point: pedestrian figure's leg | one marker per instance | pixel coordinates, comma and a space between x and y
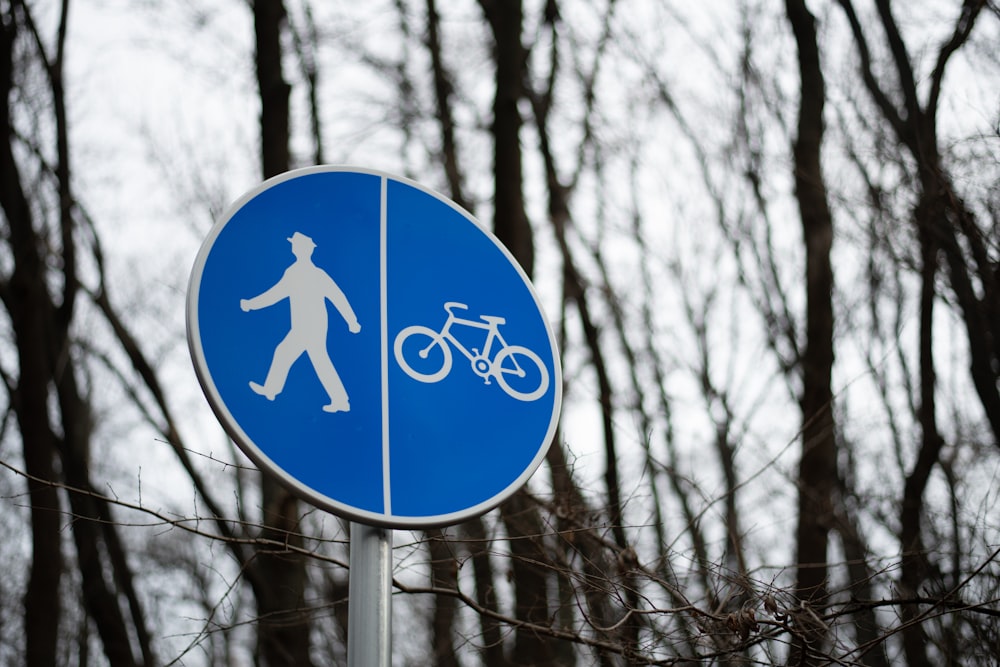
285, 354
329, 377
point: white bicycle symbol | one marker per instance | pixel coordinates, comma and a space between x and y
511, 363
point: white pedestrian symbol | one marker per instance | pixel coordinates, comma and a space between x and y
307, 288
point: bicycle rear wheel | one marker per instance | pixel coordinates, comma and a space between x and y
422, 353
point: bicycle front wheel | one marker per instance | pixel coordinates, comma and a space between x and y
422, 353
521, 373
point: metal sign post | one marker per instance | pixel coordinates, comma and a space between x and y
371, 346
369, 611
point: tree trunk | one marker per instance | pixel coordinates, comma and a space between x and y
269, 20
474, 533
280, 577
818, 463
530, 580
510, 223
444, 574
26, 298
913, 563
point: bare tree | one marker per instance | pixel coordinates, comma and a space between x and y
945, 228
818, 463
43, 222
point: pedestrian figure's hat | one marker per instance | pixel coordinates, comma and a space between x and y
298, 238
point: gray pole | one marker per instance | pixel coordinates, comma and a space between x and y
369, 606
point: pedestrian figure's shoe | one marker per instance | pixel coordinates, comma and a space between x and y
338, 407
263, 391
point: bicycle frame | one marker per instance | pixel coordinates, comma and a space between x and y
490, 324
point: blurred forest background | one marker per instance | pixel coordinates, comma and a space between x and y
766, 234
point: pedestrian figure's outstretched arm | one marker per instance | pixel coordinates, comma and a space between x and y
267, 298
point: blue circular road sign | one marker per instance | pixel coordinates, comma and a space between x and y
366, 341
